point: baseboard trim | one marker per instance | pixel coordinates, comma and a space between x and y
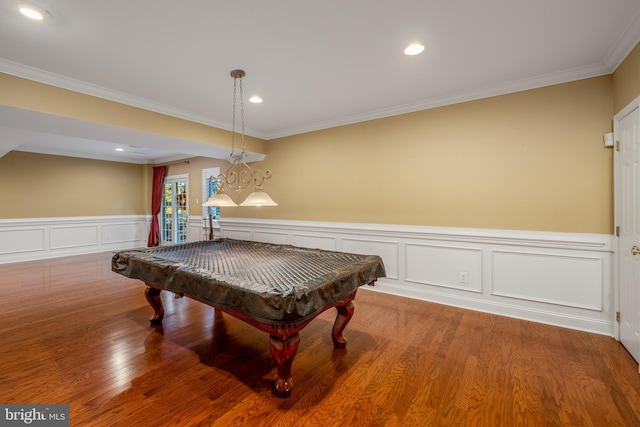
565, 320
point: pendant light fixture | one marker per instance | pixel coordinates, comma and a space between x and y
239, 175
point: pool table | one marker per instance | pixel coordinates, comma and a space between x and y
278, 289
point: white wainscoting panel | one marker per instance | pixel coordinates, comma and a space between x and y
39, 238
563, 279
328, 243
74, 236
126, 232
21, 239
574, 281
444, 266
273, 237
195, 231
389, 251
237, 233
198, 228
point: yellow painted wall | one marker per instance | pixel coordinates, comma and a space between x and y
532, 160
626, 82
44, 186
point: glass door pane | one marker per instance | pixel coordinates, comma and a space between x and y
181, 209
166, 213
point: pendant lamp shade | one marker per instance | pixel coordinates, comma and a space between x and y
221, 200
258, 198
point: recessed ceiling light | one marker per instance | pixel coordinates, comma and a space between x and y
32, 12
413, 49
119, 149
255, 99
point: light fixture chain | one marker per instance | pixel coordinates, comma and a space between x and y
233, 119
244, 145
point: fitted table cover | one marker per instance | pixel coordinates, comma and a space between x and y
271, 283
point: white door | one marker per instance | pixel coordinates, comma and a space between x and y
628, 207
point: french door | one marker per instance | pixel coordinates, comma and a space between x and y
173, 216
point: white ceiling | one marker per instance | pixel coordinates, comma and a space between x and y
317, 64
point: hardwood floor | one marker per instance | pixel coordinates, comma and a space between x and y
71, 331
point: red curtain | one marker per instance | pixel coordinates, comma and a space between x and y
159, 173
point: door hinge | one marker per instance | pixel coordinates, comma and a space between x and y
618, 316
618, 145
617, 231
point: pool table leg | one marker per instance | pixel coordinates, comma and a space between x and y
155, 301
345, 313
283, 352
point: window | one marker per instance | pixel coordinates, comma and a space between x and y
209, 189
173, 215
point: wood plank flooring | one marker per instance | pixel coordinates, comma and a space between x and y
71, 331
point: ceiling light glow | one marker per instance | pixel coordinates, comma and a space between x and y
32, 12
119, 149
414, 49
255, 99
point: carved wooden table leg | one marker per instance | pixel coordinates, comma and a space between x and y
345, 313
283, 352
155, 301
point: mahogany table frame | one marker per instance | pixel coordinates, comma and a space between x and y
283, 338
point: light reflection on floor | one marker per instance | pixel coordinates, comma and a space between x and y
123, 362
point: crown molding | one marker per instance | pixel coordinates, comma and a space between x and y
624, 45
535, 82
57, 80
